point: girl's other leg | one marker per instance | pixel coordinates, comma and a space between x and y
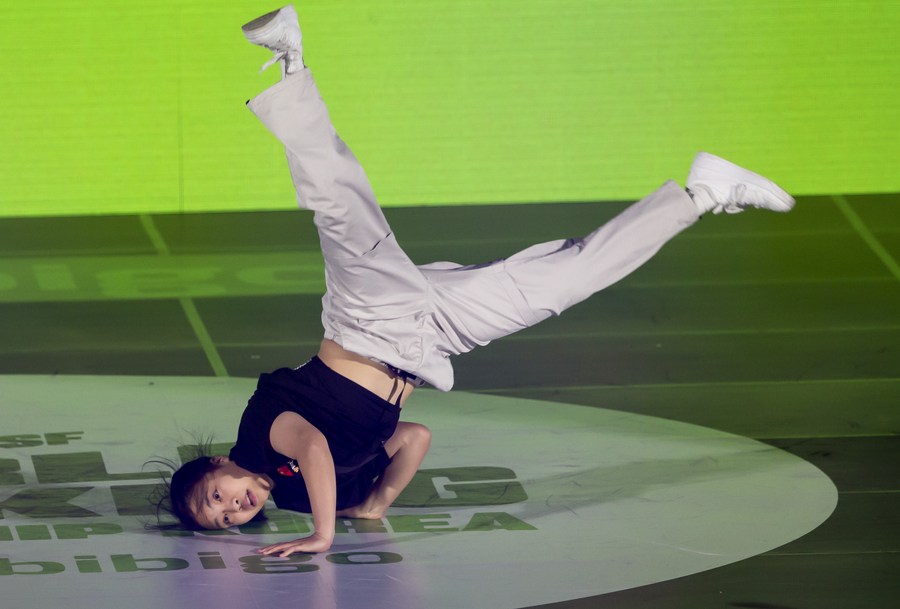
368, 276
328, 178
554, 277
477, 304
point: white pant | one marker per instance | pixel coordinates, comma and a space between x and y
380, 305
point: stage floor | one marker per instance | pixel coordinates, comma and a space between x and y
674, 442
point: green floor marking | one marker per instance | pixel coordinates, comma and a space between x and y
574, 388
159, 244
857, 223
206, 341
187, 304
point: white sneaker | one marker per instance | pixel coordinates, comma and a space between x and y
718, 185
278, 31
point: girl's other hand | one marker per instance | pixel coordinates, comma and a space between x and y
313, 543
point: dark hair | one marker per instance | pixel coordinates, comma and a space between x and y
181, 490
173, 496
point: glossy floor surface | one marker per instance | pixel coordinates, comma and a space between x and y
780, 328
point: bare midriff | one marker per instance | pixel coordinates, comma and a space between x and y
372, 375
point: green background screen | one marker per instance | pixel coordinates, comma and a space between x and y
135, 107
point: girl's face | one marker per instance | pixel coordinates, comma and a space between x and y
229, 495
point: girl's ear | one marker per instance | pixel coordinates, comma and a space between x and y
219, 459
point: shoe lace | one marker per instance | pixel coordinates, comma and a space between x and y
736, 197
279, 55
735, 202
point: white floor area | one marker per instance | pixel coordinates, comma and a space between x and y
580, 501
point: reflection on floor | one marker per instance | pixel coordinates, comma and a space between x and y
780, 328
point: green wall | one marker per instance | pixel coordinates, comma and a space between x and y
121, 106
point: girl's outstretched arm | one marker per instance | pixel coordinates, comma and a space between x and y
295, 437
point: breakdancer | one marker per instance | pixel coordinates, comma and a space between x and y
325, 437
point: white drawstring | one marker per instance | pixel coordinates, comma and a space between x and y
279, 55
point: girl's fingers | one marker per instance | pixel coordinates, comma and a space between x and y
284, 549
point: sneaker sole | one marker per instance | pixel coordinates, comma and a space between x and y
709, 167
261, 25
260, 22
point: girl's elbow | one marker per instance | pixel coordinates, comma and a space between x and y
420, 435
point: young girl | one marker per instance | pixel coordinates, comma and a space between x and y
325, 438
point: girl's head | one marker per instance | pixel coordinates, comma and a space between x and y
225, 495
214, 493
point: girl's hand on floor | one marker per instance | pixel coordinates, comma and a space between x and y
313, 543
